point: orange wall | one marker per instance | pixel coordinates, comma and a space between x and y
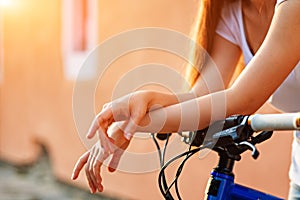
36, 100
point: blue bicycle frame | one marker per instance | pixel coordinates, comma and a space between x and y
222, 187
235, 138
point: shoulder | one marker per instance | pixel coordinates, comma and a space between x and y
290, 2
287, 14
279, 2
231, 13
230, 21
231, 8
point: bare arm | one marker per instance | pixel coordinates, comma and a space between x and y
276, 58
132, 108
215, 76
219, 70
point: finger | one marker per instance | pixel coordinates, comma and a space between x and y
97, 166
131, 127
91, 170
117, 157
104, 118
95, 171
106, 143
115, 160
105, 106
93, 129
79, 165
88, 176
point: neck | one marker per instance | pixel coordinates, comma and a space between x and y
263, 5
258, 4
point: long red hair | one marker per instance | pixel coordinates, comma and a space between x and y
203, 33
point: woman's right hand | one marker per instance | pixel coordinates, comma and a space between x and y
131, 109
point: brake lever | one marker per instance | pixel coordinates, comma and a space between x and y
250, 146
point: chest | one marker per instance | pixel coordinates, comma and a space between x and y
256, 26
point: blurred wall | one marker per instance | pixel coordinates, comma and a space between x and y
36, 99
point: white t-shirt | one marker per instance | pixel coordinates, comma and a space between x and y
287, 96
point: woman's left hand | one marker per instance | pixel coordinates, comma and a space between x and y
94, 158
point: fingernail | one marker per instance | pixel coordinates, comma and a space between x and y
110, 169
112, 140
73, 175
128, 136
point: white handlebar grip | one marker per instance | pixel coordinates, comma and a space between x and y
269, 122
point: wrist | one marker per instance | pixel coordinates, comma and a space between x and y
161, 99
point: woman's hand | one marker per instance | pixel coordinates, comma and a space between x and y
94, 158
131, 109
126, 112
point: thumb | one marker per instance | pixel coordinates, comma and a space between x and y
131, 127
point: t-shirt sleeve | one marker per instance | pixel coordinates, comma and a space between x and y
227, 26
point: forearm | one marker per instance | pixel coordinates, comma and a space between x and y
190, 115
271, 65
200, 88
167, 99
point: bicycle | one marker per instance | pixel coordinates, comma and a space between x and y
229, 138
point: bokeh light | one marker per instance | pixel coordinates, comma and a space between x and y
5, 3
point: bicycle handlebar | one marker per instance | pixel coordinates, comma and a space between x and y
273, 122
229, 138
240, 127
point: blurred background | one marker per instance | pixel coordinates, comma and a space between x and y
42, 46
